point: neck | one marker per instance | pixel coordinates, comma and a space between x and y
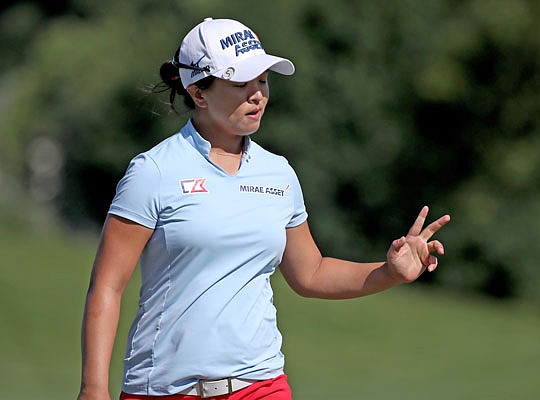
219, 141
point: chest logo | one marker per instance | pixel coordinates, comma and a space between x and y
264, 190
195, 185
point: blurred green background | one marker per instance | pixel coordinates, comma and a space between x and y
395, 104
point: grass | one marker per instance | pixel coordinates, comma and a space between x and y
407, 343
411, 344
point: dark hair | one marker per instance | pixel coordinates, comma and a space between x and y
170, 76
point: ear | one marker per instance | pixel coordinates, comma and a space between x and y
197, 96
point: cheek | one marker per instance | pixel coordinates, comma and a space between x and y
228, 109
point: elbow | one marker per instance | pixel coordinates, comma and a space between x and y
305, 292
309, 291
301, 288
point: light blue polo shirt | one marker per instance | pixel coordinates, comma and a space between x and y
206, 306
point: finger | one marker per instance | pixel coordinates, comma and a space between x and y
398, 243
433, 262
432, 228
416, 228
436, 246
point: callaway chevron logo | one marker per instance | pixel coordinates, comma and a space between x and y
195, 185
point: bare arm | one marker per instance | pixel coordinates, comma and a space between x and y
121, 244
312, 275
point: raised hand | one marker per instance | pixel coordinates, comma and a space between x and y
409, 256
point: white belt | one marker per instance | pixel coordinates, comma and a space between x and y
210, 388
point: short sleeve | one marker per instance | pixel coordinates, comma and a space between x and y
300, 213
137, 193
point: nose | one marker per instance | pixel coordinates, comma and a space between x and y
256, 93
256, 96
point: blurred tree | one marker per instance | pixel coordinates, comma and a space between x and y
50, 8
395, 104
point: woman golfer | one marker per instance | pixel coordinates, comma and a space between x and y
210, 215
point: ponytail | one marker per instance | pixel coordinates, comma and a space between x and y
170, 76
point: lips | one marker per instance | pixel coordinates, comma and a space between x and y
255, 113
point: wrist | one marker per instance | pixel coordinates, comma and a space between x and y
392, 274
93, 391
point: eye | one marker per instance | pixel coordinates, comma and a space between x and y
240, 85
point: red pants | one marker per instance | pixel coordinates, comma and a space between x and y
271, 389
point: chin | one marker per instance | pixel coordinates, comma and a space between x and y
251, 129
247, 133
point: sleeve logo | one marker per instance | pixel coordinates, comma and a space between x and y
195, 185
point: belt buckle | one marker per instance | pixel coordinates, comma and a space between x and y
211, 387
